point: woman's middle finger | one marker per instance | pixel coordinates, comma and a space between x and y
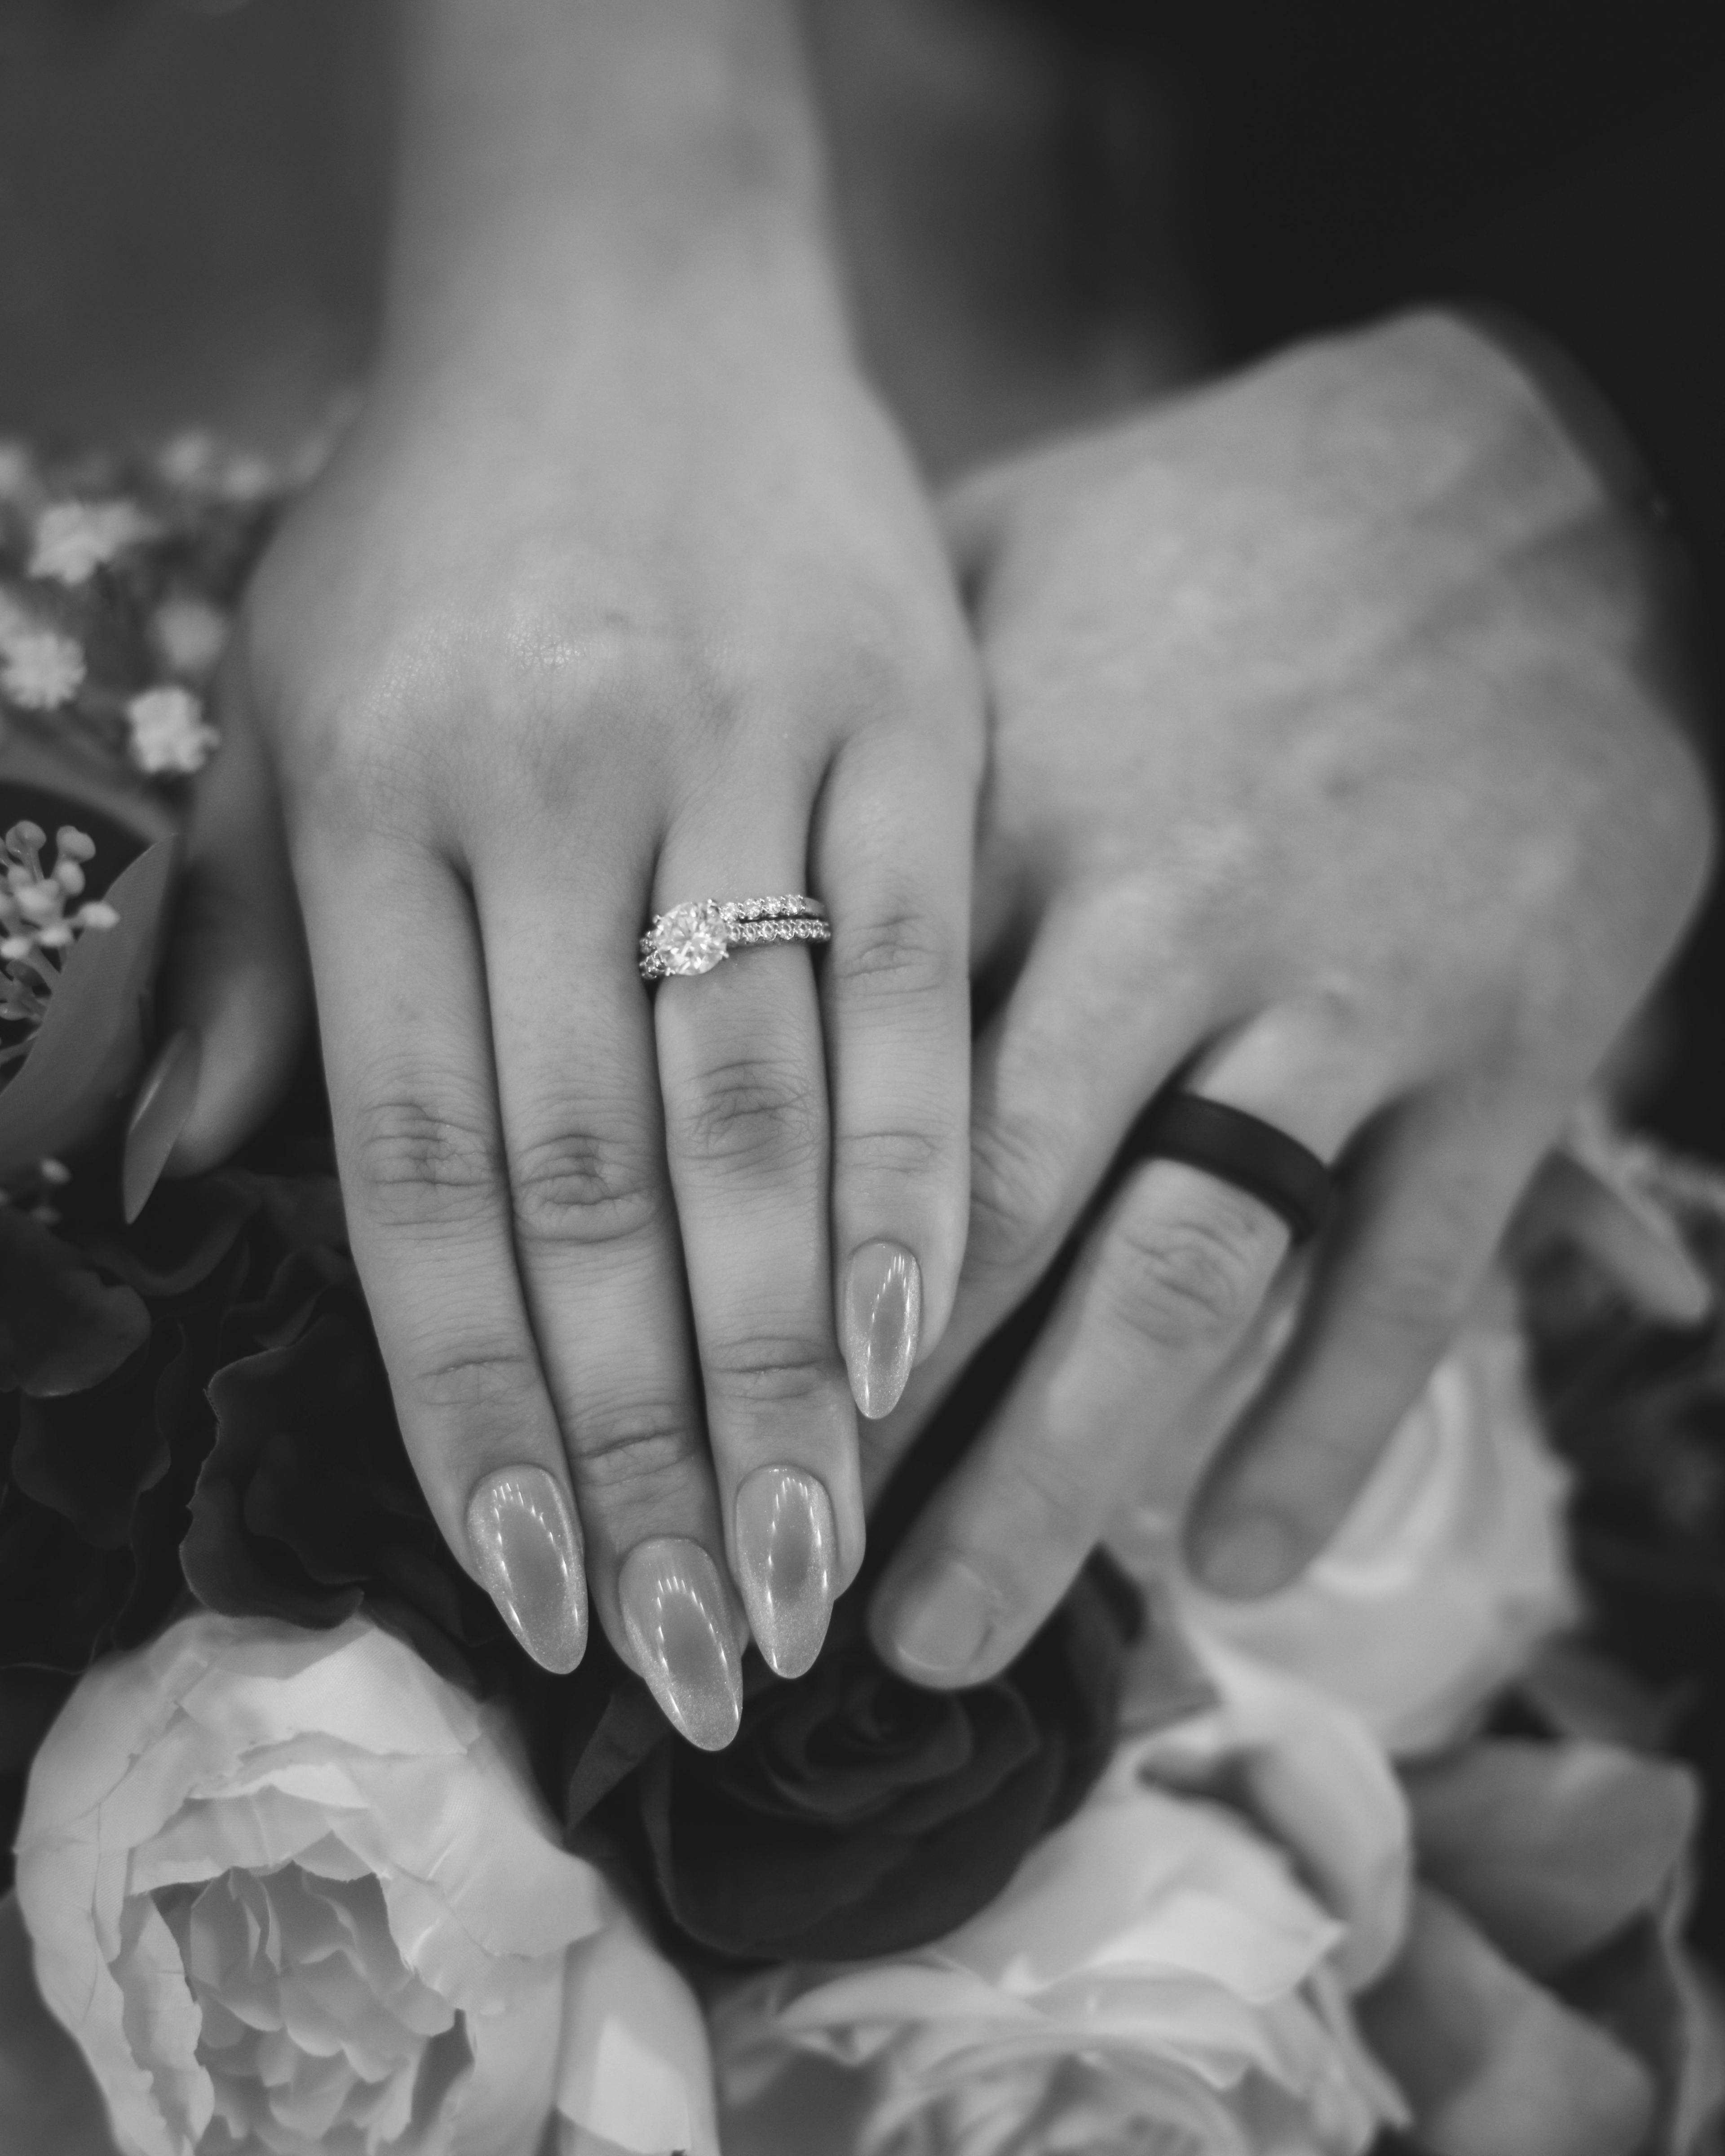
596, 1235
743, 1074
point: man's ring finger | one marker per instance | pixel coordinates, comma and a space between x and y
1241, 1149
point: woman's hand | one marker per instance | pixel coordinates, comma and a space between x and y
621, 593
1337, 771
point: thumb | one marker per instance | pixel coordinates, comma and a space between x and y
234, 995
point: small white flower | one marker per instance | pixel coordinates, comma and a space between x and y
188, 460
247, 477
196, 463
74, 539
189, 635
39, 668
168, 734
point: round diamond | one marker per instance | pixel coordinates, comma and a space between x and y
690, 939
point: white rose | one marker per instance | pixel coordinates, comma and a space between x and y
1309, 1772
292, 1892
1154, 1977
1450, 1569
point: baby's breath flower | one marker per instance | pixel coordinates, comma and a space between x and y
74, 539
188, 634
168, 732
40, 669
196, 463
189, 460
247, 478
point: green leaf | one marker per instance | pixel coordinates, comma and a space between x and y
78, 1078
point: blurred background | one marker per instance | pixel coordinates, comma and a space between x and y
193, 195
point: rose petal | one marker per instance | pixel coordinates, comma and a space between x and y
1451, 1565
1491, 2063
1315, 1777
1551, 1848
50, 2102
1152, 1967
633, 2031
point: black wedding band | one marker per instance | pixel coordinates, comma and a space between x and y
1244, 1150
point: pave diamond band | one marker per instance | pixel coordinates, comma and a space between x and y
694, 937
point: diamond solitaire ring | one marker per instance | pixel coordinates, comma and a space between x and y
693, 938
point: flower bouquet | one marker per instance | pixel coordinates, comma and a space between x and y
1417, 1854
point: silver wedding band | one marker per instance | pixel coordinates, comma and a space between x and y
694, 937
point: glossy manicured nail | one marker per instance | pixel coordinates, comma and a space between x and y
785, 1562
526, 1546
679, 1632
158, 1116
883, 1321
940, 1622
1247, 1555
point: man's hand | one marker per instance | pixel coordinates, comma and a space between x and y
1338, 771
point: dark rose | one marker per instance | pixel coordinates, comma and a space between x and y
104, 1421
858, 1814
307, 1508
63, 1328
103, 1425
102, 1439
1638, 1408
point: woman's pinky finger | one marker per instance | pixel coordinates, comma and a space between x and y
1422, 1215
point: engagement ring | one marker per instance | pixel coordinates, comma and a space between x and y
693, 938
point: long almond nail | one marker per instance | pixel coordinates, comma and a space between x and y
158, 1116
527, 1548
673, 1610
883, 1321
785, 1565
